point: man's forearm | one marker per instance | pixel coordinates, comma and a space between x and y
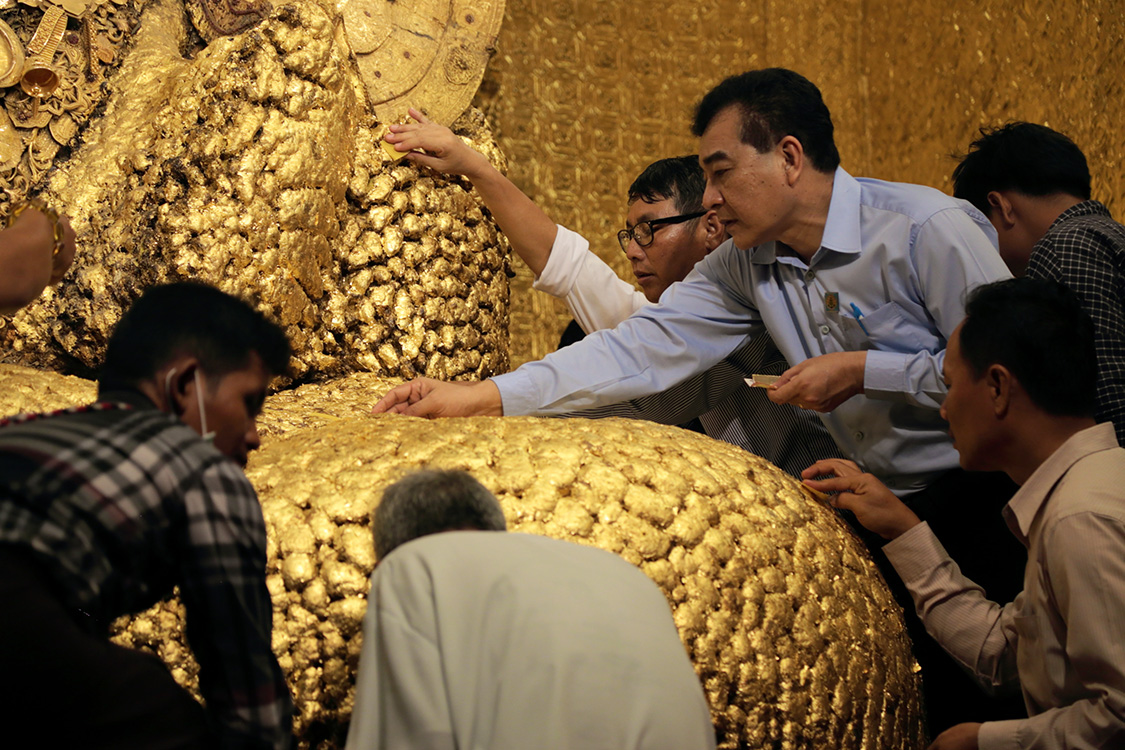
530, 230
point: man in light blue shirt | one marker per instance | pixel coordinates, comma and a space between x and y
859, 282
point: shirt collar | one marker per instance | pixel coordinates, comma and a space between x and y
841, 228
1026, 503
1085, 208
130, 396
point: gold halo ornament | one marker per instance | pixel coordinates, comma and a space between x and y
426, 54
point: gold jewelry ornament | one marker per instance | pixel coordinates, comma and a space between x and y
45, 41
52, 215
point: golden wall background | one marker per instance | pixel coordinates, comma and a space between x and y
585, 93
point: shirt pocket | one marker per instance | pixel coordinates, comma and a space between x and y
888, 329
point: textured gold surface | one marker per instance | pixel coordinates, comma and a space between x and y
255, 166
37, 134
23, 389
795, 637
585, 93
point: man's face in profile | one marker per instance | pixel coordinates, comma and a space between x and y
231, 405
748, 189
673, 252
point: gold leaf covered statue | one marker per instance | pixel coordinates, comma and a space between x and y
255, 164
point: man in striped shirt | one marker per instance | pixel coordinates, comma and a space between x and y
668, 232
106, 508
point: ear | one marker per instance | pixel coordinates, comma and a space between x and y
793, 158
1001, 209
1000, 384
715, 233
179, 389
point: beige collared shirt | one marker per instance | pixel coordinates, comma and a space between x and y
508, 641
1063, 638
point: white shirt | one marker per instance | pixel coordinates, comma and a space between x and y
482, 640
1063, 639
597, 297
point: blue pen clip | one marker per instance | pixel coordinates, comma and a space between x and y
859, 317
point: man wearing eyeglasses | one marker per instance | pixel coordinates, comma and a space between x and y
667, 232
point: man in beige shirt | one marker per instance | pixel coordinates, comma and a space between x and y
1021, 371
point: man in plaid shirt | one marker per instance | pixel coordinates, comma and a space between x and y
105, 508
1034, 185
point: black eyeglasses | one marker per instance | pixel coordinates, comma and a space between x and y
644, 230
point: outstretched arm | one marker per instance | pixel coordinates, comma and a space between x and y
977, 633
527, 227
430, 398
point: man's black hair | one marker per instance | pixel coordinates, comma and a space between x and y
774, 103
679, 179
1024, 157
190, 318
1040, 332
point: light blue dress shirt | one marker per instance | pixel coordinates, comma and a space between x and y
905, 255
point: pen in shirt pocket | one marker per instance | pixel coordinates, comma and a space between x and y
859, 317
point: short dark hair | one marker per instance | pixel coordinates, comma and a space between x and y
189, 317
774, 103
1039, 331
679, 179
429, 502
1021, 156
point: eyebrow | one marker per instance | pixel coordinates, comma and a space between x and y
646, 216
713, 157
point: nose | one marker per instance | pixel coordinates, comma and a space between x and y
253, 441
712, 198
633, 251
941, 411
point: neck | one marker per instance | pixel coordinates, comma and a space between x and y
156, 394
1042, 211
810, 215
1036, 440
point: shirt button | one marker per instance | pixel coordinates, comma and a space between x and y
858, 436
825, 330
810, 275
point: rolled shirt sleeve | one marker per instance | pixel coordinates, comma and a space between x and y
698, 322
596, 296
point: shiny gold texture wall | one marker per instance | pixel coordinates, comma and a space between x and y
585, 93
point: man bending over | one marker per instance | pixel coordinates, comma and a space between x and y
1034, 185
478, 639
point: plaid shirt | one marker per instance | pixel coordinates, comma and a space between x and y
1085, 250
119, 503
